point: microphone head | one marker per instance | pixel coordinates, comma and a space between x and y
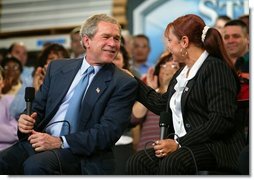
29, 94
164, 119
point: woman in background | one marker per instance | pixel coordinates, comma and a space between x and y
148, 122
8, 127
49, 53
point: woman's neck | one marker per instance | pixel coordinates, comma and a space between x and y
193, 54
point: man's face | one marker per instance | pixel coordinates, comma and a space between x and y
76, 47
104, 46
19, 51
140, 50
236, 41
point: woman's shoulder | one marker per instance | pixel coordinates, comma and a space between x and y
5, 102
213, 62
6, 99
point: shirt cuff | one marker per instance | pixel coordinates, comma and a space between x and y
66, 145
179, 145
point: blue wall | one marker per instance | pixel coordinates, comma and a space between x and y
157, 17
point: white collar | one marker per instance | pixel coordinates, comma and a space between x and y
85, 65
194, 69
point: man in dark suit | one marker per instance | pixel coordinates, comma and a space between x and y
103, 116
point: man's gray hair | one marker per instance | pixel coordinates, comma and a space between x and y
89, 26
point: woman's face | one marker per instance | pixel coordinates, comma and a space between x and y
53, 56
118, 61
12, 70
175, 47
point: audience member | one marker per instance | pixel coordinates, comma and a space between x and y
77, 50
140, 53
19, 51
236, 39
246, 19
3, 54
14, 85
201, 104
122, 59
220, 22
149, 122
128, 39
95, 124
49, 53
12, 69
8, 128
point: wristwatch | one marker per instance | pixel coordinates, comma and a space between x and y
62, 143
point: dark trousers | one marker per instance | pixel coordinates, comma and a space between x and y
121, 155
244, 161
22, 159
180, 162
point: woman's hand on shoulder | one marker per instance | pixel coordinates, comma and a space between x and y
128, 72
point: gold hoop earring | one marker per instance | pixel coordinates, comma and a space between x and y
183, 53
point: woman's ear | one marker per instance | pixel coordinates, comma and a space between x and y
185, 41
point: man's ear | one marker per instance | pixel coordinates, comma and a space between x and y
85, 41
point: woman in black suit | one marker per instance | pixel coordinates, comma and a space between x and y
201, 102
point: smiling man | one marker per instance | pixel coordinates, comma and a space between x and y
236, 39
99, 119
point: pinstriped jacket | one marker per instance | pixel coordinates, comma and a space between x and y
208, 107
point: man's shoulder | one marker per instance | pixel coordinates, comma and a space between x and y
120, 76
65, 61
65, 64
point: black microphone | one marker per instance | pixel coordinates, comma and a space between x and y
29, 97
164, 124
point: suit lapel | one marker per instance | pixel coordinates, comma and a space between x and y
186, 92
62, 82
188, 88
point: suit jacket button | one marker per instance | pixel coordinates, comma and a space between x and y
187, 125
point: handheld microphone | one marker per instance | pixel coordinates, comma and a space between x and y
29, 97
164, 124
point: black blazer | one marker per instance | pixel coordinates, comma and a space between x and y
208, 106
105, 113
